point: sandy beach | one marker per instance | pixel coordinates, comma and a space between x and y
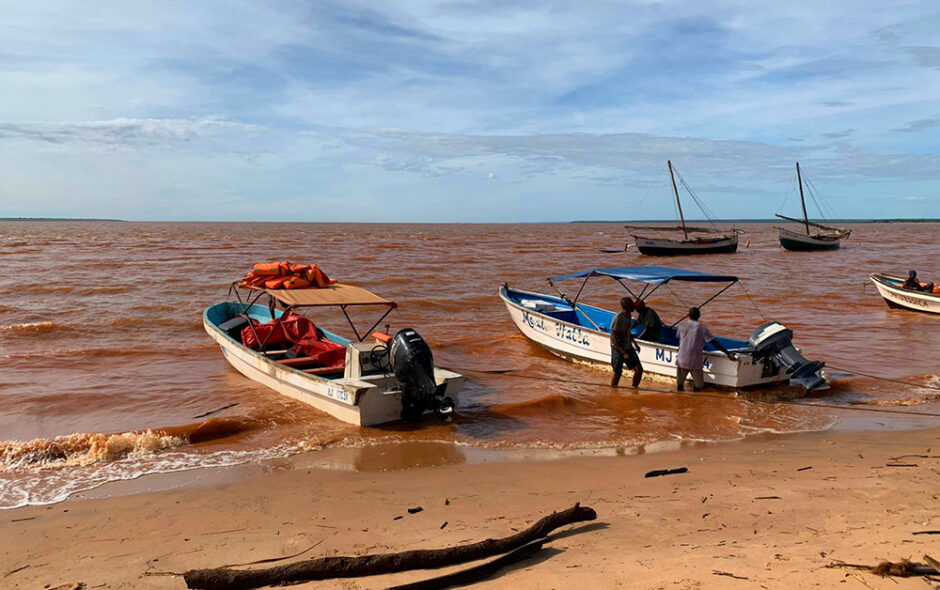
768, 512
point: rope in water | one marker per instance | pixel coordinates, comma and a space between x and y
889, 379
514, 373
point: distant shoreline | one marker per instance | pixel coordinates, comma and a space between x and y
691, 221
56, 219
625, 221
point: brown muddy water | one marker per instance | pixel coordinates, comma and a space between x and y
105, 366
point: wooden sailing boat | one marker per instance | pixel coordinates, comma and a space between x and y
825, 238
708, 241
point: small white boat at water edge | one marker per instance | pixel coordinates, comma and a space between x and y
889, 287
383, 379
581, 333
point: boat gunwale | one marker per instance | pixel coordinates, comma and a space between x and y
726, 236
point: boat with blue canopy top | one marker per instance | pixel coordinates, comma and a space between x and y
580, 332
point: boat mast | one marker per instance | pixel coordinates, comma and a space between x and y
799, 180
679, 205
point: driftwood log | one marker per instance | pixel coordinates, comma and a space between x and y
902, 569
476, 573
323, 568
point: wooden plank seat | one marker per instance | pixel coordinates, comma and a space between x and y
325, 370
300, 360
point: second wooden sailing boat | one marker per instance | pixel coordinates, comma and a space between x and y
695, 240
825, 237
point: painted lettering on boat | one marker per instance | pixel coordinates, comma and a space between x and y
561, 331
337, 393
908, 299
532, 321
571, 334
668, 357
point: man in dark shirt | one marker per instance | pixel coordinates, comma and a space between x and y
649, 319
623, 348
913, 283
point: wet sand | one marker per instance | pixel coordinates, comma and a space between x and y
749, 509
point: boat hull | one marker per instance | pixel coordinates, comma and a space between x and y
365, 400
798, 242
575, 342
667, 247
889, 288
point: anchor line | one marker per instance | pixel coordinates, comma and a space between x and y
888, 379
749, 298
513, 373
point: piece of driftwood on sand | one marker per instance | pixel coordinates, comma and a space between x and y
370, 565
476, 573
902, 569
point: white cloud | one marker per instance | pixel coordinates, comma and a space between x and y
124, 132
233, 102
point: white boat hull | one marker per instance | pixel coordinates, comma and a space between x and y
792, 240
668, 247
895, 296
365, 401
580, 344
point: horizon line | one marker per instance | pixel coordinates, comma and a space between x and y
708, 221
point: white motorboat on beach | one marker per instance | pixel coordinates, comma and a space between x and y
889, 287
374, 379
581, 333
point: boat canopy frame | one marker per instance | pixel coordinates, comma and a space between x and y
339, 295
652, 277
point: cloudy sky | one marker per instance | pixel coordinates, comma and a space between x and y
482, 111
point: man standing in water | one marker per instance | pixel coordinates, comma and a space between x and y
691, 357
623, 348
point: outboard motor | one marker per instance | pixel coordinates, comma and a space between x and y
773, 341
413, 364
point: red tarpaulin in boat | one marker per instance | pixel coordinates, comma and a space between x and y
301, 333
286, 275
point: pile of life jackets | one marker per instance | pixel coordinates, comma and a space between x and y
299, 332
285, 275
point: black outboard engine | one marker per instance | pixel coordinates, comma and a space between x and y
773, 341
413, 364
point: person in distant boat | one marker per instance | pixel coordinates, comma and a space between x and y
649, 319
623, 347
691, 357
913, 283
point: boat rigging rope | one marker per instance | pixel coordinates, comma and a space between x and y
740, 284
513, 373
709, 215
649, 189
791, 190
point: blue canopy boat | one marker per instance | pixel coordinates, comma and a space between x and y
581, 332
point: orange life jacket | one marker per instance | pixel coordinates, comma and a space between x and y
286, 275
